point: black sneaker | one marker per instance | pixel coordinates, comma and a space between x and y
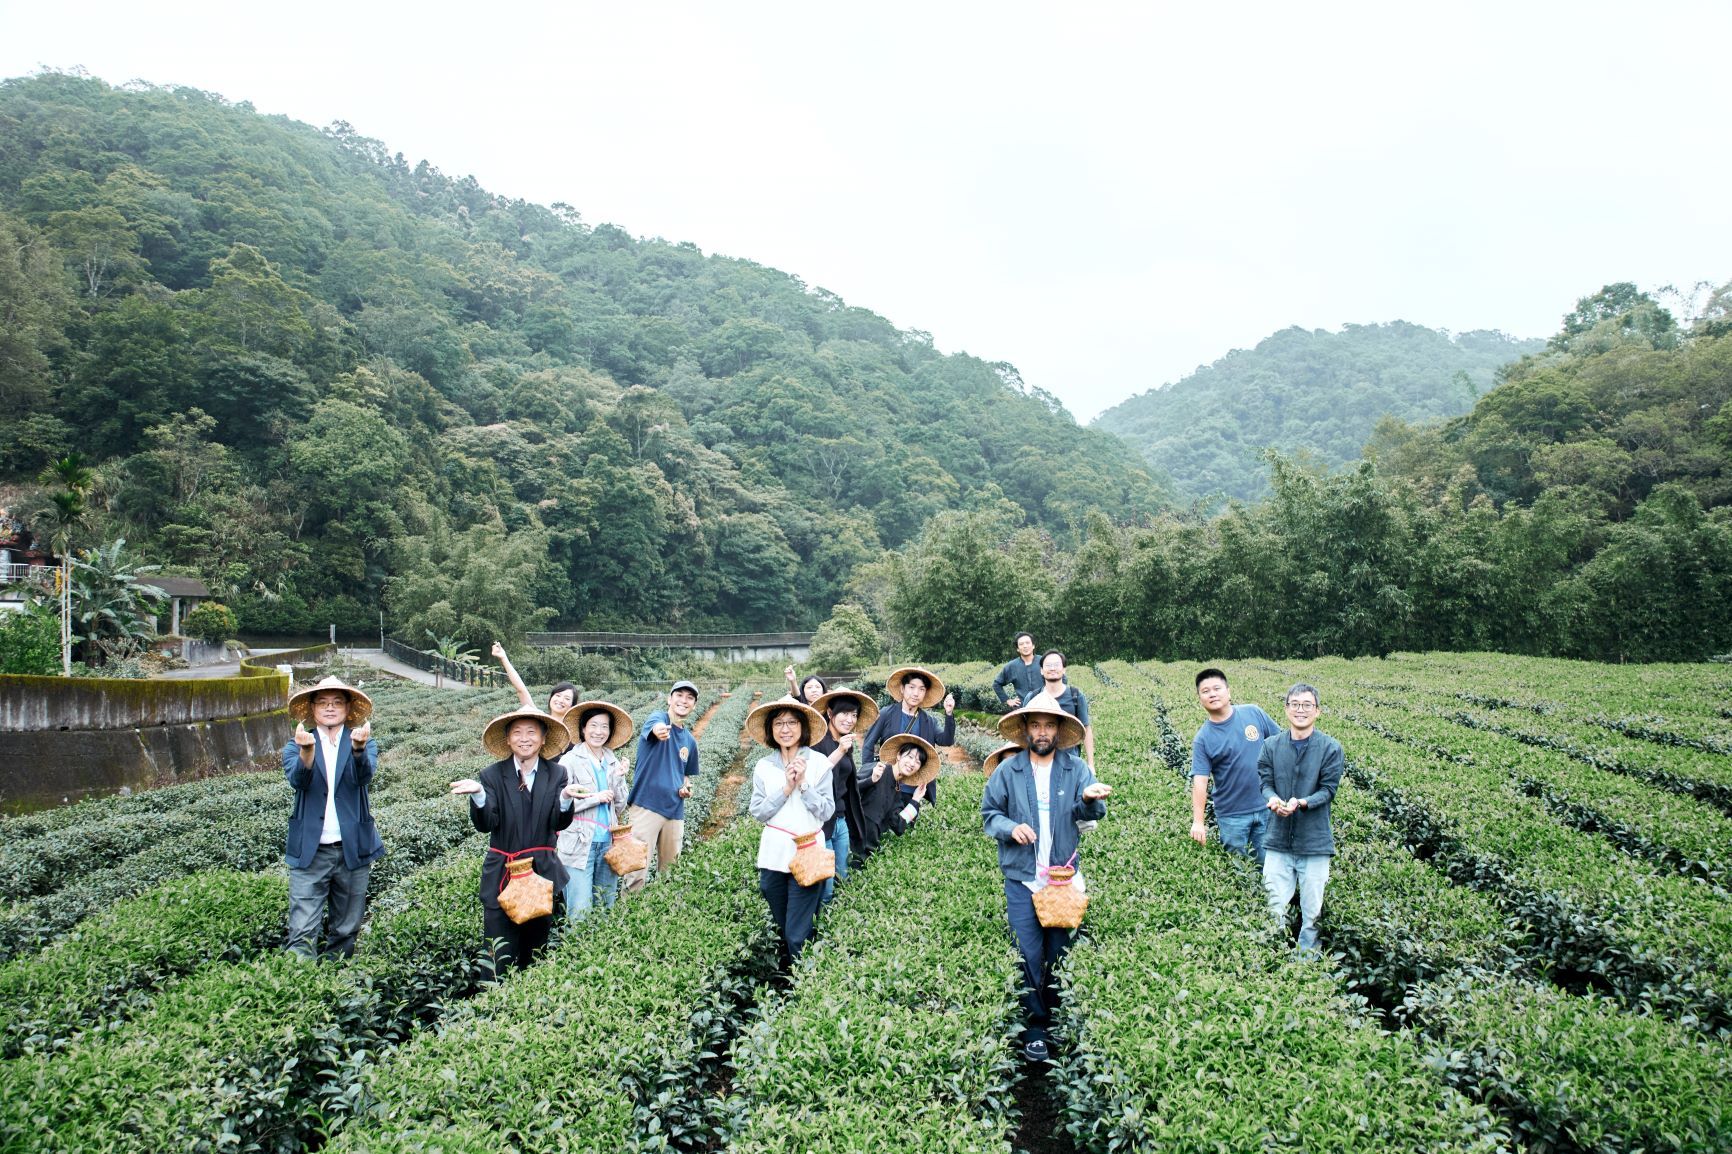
1035, 1050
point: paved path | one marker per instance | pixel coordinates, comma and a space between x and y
373, 657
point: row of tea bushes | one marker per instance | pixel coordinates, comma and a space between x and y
1190, 1025
896, 1032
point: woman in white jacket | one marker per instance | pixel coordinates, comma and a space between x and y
791, 795
598, 728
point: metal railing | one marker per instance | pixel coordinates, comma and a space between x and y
459, 671
668, 640
10, 574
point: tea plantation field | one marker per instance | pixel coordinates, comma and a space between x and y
1529, 930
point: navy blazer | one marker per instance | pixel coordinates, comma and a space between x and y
1010, 801
361, 842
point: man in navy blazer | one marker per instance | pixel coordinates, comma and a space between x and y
332, 842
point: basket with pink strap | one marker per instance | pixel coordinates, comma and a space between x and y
812, 862
1058, 905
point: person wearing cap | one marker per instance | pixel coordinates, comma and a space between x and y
559, 698
843, 710
915, 690
1069, 698
791, 795
332, 841
597, 729
1019, 680
1031, 808
1299, 770
521, 802
667, 754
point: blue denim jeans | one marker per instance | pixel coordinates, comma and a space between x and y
587, 885
1308, 873
1244, 832
837, 844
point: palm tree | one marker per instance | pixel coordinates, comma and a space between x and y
450, 649
113, 607
67, 515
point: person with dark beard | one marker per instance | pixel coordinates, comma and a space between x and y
1031, 806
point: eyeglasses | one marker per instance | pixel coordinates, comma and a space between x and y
1302, 706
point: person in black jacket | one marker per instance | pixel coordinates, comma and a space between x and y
332, 842
844, 711
522, 801
1299, 770
917, 690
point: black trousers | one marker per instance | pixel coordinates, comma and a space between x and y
792, 907
518, 942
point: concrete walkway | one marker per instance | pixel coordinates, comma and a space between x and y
373, 657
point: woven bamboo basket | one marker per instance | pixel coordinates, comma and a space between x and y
527, 895
812, 862
627, 855
1058, 906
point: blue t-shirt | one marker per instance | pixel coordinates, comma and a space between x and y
662, 768
1228, 750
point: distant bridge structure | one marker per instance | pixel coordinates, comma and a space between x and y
722, 646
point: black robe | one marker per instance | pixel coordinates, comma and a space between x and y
516, 820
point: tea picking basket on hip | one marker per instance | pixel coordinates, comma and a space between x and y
812, 862
525, 894
1058, 905
627, 855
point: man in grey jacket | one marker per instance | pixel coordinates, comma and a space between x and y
1031, 806
1300, 770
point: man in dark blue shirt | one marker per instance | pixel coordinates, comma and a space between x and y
667, 754
1019, 680
917, 690
1226, 749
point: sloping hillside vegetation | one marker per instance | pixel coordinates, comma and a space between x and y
329, 382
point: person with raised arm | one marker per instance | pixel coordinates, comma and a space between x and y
332, 841
559, 698
521, 802
915, 690
791, 796
1032, 804
807, 689
597, 728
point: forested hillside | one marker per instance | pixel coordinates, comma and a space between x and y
1315, 391
1582, 508
329, 382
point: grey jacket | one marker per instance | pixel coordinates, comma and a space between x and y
1010, 801
1313, 777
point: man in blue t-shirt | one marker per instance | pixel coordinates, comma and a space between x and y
1226, 748
667, 754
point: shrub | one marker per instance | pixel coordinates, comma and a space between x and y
30, 641
211, 621
848, 640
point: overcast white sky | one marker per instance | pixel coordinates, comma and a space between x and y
1104, 195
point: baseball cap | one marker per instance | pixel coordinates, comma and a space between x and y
679, 685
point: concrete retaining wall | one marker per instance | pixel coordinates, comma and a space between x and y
64, 739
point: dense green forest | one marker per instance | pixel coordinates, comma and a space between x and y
1583, 507
330, 383
1315, 392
